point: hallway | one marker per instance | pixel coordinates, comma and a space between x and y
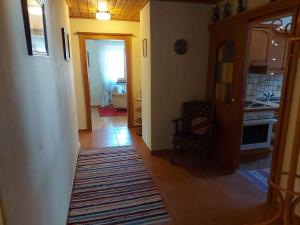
187, 188
107, 122
106, 137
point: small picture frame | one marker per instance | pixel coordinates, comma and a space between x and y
66, 43
35, 27
144, 43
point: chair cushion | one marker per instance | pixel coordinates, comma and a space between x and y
200, 125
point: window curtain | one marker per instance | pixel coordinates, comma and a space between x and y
112, 63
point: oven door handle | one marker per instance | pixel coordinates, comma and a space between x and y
259, 122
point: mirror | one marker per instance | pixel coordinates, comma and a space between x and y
35, 27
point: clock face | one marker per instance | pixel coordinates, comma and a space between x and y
181, 46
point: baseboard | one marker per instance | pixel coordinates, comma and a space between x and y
73, 180
154, 152
2, 221
250, 155
83, 130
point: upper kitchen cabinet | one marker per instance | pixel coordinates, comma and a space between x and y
277, 52
258, 53
267, 51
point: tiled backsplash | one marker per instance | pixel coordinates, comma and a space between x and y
258, 83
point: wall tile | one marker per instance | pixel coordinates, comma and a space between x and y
255, 83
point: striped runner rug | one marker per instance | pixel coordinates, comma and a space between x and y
258, 177
112, 186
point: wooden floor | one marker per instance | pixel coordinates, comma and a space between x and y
193, 194
107, 122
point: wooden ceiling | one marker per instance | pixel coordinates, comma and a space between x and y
120, 9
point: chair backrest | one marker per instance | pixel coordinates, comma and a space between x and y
192, 110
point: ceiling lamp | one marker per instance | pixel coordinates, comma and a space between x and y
102, 13
35, 10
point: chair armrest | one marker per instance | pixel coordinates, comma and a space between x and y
176, 121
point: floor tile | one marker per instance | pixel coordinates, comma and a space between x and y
106, 122
124, 141
123, 135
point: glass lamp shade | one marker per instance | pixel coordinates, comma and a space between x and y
103, 15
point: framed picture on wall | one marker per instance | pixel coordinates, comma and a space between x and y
35, 27
66, 44
144, 43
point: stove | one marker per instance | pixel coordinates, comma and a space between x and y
257, 129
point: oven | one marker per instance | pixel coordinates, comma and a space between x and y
257, 130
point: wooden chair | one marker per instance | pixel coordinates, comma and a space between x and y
183, 136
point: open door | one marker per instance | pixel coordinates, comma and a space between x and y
226, 83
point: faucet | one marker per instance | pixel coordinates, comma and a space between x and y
268, 94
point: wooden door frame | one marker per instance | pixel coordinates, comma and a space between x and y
286, 100
267, 11
83, 37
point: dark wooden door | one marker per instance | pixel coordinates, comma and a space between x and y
228, 53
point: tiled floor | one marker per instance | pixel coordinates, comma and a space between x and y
106, 137
193, 194
107, 122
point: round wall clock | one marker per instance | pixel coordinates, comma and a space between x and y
181, 46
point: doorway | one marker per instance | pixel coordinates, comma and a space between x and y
106, 65
264, 90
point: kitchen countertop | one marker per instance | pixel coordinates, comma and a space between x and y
269, 106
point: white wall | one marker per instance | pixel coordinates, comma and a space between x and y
38, 133
92, 25
146, 74
175, 78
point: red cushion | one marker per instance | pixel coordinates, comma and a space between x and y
200, 125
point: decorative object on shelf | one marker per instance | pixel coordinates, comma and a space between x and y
216, 13
279, 28
144, 44
226, 9
102, 12
241, 6
66, 43
35, 27
181, 46
285, 30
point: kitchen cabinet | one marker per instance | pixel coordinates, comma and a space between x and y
267, 49
277, 53
259, 44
